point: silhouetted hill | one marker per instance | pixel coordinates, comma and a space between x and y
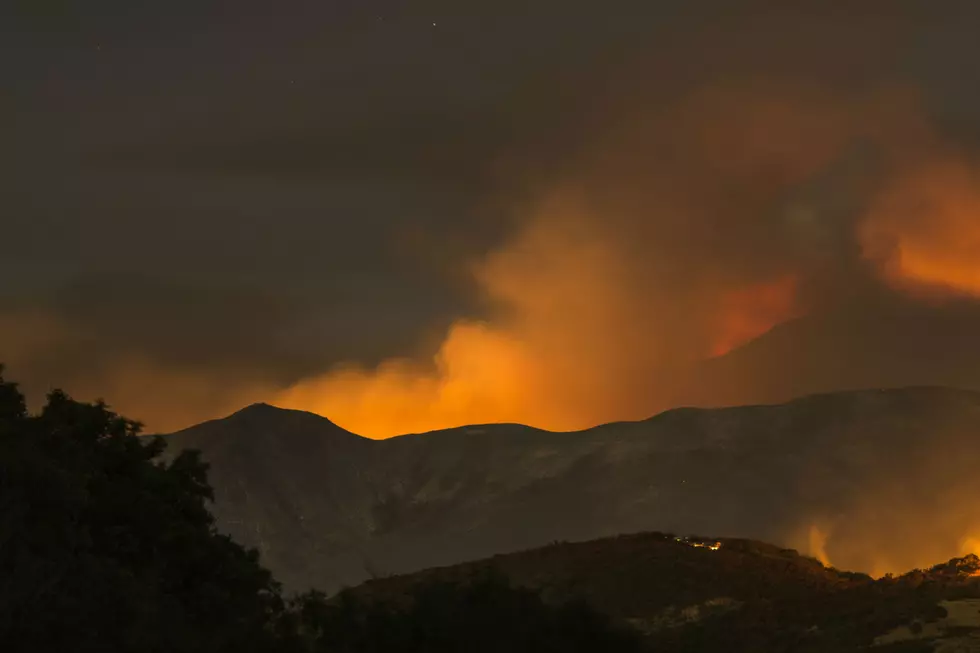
887, 475
292, 485
643, 574
697, 594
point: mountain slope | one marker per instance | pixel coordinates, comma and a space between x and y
887, 476
291, 484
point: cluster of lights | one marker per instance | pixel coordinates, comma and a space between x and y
714, 546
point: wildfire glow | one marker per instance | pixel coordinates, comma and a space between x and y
580, 339
818, 545
712, 546
479, 372
698, 544
747, 313
925, 230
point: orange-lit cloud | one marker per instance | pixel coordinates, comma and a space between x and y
747, 313
924, 229
568, 327
673, 237
583, 335
667, 243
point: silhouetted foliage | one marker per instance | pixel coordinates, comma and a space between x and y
484, 615
103, 547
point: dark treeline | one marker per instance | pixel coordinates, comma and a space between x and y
106, 547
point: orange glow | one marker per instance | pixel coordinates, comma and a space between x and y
818, 545
549, 363
924, 230
478, 373
580, 339
748, 313
712, 546
970, 544
625, 275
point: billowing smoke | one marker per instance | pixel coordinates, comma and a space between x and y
924, 229
680, 235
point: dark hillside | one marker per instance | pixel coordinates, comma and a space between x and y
885, 475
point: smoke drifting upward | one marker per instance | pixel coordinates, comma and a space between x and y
563, 291
587, 325
682, 234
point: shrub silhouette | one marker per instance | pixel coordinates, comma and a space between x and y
483, 615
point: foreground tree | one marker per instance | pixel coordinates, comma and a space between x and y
104, 546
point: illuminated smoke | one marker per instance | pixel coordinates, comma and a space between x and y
750, 312
584, 334
669, 242
924, 229
817, 545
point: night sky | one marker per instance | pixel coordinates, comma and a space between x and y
559, 213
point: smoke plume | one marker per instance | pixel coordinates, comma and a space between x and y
676, 238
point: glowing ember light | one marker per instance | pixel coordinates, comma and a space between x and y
713, 546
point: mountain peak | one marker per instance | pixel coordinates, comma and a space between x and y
262, 410
263, 418
259, 407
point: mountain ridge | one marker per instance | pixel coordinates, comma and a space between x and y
474, 428
329, 508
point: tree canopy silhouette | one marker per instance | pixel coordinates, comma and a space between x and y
104, 546
484, 614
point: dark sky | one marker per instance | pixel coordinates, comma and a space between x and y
205, 204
